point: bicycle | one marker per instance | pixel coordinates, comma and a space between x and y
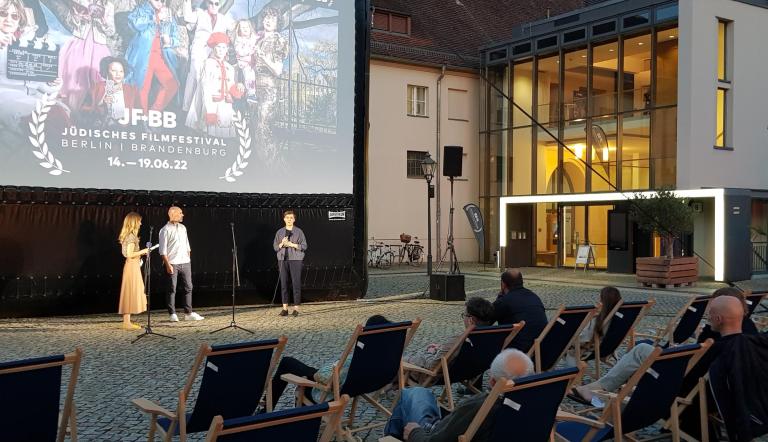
414, 253
380, 255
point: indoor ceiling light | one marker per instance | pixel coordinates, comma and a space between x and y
640, 43
606, 157
578, 150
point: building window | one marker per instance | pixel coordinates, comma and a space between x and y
417, 101
391, 22
724, 74
413, 164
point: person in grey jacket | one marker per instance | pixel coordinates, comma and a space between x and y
290, 245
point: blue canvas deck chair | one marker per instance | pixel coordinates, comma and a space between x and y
470, 356
235, 378
618, 326
682, 326
31, 389
524, 409
301, 424
562, 330
648, 396
753, 300
376, 360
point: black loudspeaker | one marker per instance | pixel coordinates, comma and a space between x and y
452, 156
447, 287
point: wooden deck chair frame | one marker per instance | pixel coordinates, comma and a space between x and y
345, 429
667, 332
179, 417
600, 359
505, 386
535, 352
332, 416
442, 370
68, 415
612, 412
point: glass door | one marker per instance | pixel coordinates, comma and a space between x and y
574, 221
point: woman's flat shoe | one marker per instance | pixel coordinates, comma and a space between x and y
575, 396
295, 313
131, 327
283, 313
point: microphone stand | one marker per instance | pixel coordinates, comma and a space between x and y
147, 269
235, 283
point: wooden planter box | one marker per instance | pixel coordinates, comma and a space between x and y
663, 271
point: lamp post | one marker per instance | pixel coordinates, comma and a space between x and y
428, 169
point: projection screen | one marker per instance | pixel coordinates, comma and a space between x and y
182, 95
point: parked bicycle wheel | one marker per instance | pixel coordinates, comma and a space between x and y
387, 258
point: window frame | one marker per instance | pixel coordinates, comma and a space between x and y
389, 15
724, 85
412, 100
409, 160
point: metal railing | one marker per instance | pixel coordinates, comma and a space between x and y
760, 257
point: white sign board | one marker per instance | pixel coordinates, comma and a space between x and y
585, 255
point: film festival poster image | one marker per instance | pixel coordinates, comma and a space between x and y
168, 94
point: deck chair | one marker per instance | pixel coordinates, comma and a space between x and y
650, 395
564, 327
470, 356
621, 321
235, 378
753, 300
376, 354
524, 409
32, 391
300, 424
681, 327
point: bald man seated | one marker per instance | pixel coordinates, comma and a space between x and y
726, 312
416, 418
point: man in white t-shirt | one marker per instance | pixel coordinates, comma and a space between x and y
177, 259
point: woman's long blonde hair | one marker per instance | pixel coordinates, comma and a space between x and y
130, 225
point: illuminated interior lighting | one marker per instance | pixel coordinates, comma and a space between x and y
717, 194
605, 154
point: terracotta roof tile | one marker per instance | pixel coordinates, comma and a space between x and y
452, 31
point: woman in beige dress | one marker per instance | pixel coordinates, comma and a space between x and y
132, 297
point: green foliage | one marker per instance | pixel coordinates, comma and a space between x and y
664, 214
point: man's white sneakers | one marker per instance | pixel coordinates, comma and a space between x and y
174, 318
193, 317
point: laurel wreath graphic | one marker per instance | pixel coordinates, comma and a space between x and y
245, 151
37, 127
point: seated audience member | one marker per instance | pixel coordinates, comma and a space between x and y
477, 312
609, 297
737, 379
726, 313
323, 374
516, 303
416, 417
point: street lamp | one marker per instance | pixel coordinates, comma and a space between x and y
428, 169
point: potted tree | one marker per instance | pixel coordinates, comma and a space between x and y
670, 218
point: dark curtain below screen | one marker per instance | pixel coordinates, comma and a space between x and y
65, 259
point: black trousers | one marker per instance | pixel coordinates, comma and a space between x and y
293, 366
183, 271
292, 268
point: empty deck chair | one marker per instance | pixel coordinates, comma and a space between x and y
235, 378
564, 327
31, 389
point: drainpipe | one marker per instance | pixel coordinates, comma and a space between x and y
438, 167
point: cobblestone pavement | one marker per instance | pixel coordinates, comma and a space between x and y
115, 371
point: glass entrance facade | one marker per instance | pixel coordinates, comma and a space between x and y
602, 117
